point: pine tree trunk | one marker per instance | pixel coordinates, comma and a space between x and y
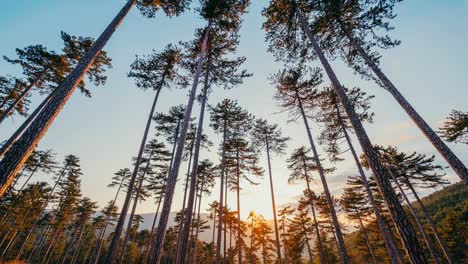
29, 178
366, 237
407, 232
44, 206
431, 224
193, 179
278, 246
225, 208
435, 140
150, 244
317, 231
172, 179
78, 245
20, 151
426, 238
214, 227
7, 247
9, 143
221, 199
309, 250
195, 250
101, 238
390, 245
123, 214
340, 241
135, 203
18, 100
239, 234
184, 200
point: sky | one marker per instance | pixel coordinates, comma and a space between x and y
429, 67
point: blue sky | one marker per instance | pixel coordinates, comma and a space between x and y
429, 67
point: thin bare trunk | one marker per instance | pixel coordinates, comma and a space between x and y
277, 238
150, 244
317, 231
18, 100
430, 134
123, 214
225, 208
184, 200
193, 179
172, 179
135, 203
15, 158
221, 198
404, 227
340, 241
309, 250
195, 250
239, 235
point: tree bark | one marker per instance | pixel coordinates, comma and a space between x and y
28, 89
221, 199
317, 231
20, 151
182, 216
407, 232
135, 203
9, 143
193, 179
239, 235
430, 134
195, 250
426, 238
390, 245
340, 241
118, 229
278, 246
309, 250
431, 224
172, 179
150, 244
101, 238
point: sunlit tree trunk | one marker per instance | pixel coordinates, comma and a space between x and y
435, 140
20, 151
172, 179
278, 246
239, 234
404, 227
309, 250
150, 244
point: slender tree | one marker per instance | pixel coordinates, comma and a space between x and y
155, 72
224, 17
353, 29
286, 26
292, 92
19, 152
270, 139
